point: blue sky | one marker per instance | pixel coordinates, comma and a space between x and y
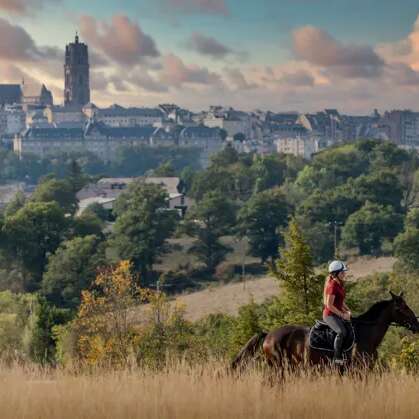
266, 58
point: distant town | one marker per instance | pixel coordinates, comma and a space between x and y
31, 123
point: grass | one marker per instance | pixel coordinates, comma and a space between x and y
199, 392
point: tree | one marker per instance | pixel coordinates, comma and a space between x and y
214, 179
165, 169
98, 210
212, 218
71, 269
15, 204
368, 227
43, 343
88, 223
76, 178
227, 156
406, 247
268, 171
186, 179
31, 235
143, 225
102, 327
260, 220
295, 271
381, 187
58, 190
406, 243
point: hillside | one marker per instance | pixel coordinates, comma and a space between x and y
228, 298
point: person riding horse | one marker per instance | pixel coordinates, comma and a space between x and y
335, 311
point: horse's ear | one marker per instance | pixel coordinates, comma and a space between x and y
401, 294
393, 296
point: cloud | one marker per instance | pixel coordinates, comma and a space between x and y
403, 75
22, 7
404, 51
317, 47
238, 80
211, 7
209, 46
176, 73
16, 43
121, 40
144, 81
299, 78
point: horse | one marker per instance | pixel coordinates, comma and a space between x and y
288, 347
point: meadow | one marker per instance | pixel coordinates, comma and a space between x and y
184, 392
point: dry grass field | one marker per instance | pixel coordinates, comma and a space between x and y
183, 393
229, 298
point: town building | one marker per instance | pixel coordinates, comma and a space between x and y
118, 116
232, 121
76, 74
402, 127
35, 96
208, 140
106, 191
10, 94
300, 147
60, 114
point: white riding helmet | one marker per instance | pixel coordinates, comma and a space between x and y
337, 266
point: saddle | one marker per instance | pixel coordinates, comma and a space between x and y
322, 337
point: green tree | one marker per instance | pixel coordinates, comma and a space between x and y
295, 271
214, 179
143, 225
260, 220
268, 171
246, 325
58, 190
211, 219
406, 244
71, 269
76, 177
165, 169
406, 247
227, 156
102, 213
382, 187
88, 223
15, 204
368, 227
43, 343
31, 235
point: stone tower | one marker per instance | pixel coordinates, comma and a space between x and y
76, 72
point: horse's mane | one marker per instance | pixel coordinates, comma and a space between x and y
374, 311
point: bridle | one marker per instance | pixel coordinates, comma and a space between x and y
404, 323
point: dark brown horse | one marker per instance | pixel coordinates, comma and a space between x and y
288, 346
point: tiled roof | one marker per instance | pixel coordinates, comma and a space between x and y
54, 133
200, 131
10, 93
127, 112
120, 132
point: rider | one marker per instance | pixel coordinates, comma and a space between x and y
335, 310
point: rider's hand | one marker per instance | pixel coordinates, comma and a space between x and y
347, 315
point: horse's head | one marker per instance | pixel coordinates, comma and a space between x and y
402, 314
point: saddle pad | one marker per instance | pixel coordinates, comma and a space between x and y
322, 337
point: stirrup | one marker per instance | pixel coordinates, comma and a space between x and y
339, 361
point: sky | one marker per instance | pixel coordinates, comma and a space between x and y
279, 55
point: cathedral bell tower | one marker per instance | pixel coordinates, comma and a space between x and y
76, 73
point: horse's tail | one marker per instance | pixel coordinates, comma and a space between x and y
248, 350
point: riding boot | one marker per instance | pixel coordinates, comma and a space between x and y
338, 346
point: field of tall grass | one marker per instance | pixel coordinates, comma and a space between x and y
201, 392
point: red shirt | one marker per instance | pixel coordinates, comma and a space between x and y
334, 288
